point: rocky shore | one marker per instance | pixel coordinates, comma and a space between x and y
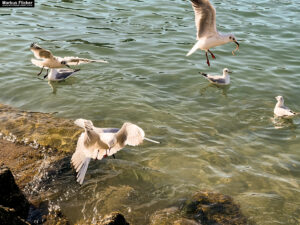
29, 140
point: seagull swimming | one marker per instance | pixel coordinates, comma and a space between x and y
47, 60
220, 80
207, 34
60, 74
281, 110
98, 143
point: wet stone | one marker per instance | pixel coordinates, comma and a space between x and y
40, 129
204, 208
8, 216
10, 194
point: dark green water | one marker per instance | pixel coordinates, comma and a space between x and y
223, 140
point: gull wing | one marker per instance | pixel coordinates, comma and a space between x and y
81, 159
73, 61
37, 63
205, 18
39, 52
130, 134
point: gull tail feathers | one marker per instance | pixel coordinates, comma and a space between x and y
194, 48
37, 63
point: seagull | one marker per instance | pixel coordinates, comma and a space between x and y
60, 74
207, 34
281, 110
98, 143
47, 60
220, 80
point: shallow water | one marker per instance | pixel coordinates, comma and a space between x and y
212, 138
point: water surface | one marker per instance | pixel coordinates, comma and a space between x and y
212, 138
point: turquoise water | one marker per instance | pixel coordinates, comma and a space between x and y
219, 139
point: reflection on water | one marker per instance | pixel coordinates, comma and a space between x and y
212, 138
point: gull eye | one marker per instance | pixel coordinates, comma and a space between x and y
230, 37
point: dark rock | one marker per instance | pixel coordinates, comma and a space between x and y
8, 216
114, 218
214, 208
10, 194
204, 208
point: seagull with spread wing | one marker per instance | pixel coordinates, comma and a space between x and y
207, 34
98, 143
49, 61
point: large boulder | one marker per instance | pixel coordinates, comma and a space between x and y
8, 216
10, 194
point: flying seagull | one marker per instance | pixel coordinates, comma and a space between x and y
98, 143
220, 80
281, 110
49, 61
207, 34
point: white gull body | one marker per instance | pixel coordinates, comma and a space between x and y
207, 34
281, 110
220, 80
98, 143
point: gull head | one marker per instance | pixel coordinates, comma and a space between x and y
226, 71
279, 99
232, 38
34, 46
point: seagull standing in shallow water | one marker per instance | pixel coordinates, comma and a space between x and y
98, 143
47, 60
220, 80
281, 110
207, 34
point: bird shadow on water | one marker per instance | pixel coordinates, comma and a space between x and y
223, 89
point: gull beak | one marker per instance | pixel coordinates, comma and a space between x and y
229, 71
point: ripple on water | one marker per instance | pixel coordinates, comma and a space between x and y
212, 138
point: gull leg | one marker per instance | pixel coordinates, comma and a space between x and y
40, 71
114, 156
46, 74
207, 60
212, 54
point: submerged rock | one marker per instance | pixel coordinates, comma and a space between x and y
39, 130
8, 216
214, 208
204, 208
114, 218
10, 194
